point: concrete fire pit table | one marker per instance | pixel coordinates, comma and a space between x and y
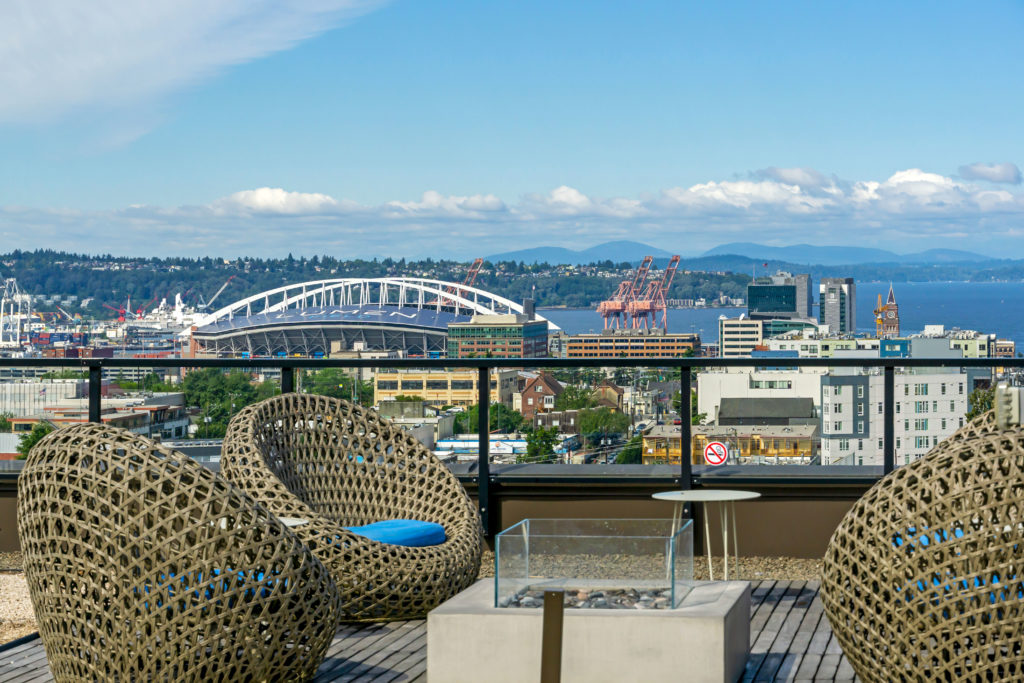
632, 609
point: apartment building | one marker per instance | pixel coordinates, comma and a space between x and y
931, 404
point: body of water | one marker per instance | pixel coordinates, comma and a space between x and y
990, 307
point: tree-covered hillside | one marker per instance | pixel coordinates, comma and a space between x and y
114, 280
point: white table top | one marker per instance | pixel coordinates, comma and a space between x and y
706, 495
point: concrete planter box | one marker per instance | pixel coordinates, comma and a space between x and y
707, 638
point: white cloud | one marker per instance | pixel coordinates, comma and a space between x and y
568, 201
995, 173
276, 200
913, 207
57, 56
435, 204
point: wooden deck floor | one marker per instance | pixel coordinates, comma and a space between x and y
790, 640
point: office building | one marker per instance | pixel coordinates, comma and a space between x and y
629, 343
837, 305
782, 295
498, 336
737, 337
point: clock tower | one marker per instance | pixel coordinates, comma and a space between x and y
887, 316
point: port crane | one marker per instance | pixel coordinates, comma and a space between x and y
204, 305
121, 311
467, 281
653, 301
615, 310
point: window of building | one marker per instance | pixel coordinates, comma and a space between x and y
860, 444
943, 390
388, 385
462, 384
844, 444
879, 407
920, 390
921, 425
860, 427
906, 389
906, 425
879, 444
961, 391
839, 408
529, 401
943, 423
860, 391
437, 385
920, 406
897, 407
860, 409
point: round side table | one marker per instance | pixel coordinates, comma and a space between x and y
727, 511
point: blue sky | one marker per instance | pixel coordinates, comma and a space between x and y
466, 128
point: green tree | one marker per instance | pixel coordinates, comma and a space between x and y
406, 398
501, 419
29, 440
980, 402
66, 374
631, 453
597, 423
575, 397
540, 445
695, 417
5, 422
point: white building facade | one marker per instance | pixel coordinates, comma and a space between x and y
930, 406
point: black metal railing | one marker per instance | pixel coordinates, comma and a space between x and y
483, 478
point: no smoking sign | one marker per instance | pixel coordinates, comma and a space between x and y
715, 453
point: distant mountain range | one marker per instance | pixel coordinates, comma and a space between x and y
617, 252
809, 254
742, 255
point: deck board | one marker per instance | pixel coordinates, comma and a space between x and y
790, 639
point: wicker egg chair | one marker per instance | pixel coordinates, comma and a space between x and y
335, 465
143, 565
924, 577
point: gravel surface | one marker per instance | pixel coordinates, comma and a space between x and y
16, 618
750, 568
10, 561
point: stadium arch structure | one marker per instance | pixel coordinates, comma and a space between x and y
409, 315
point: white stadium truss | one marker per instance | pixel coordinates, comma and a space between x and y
391, 312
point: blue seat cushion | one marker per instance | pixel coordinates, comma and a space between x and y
408, 532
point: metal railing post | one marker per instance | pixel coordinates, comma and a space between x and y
685, 435
287, 380
95, 392
551, 637
483, 387
889, 416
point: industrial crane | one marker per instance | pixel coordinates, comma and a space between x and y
616, 309
203, 305
467, 281
654, 299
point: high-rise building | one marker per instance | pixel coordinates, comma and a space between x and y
782, 295
837, 304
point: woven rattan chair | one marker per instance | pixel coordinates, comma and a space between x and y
340, 465
924, 577
143, 565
